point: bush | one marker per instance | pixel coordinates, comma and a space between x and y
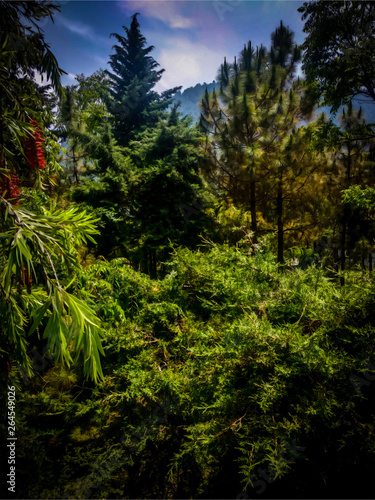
226, 378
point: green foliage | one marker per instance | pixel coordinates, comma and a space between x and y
138, 192
224, 361
256, 151
33, 248
338, 50
233, 374
358, 197
82, 113
134, 104
26, 45
165, 160
90, 97
38, 247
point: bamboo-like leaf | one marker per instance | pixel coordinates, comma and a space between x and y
41, 239
39, 315
8, 274
23, 249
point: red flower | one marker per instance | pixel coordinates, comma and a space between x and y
34, 148
9, 186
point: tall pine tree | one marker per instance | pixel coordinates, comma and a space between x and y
251, 146
134, 104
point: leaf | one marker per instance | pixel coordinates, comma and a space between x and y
39, 315
23, 248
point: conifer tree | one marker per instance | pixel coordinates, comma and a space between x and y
249, 125
82, 111
68, 122
352, 166
106, 188
168, 187
289, 167
232, 123
134, 104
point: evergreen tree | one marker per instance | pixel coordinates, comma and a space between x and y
68, 118
148, 195
106, 188
167, 198
252, 125
289, 167
134, 104
352, 166
82, 111
233, 123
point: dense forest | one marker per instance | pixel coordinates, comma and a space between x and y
187, 309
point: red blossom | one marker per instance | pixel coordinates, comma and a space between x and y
9, 186
34, 148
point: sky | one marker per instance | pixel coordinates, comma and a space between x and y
191, 38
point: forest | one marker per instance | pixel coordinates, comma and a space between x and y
187, 309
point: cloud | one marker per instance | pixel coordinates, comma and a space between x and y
83, 30
169, 12
187, 63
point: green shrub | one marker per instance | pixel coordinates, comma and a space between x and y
225, 377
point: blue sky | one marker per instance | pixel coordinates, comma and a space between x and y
191, 38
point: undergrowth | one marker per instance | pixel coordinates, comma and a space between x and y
229, 378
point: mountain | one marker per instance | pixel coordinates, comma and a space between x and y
367, 105
191, 96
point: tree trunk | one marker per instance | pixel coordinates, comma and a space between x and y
335, 258
345, 218
152, 264
363, 257
253, 211
280, 221
75, 167
343, 245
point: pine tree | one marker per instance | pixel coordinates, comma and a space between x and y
81, 111
248, 127
288, 166
134, 104
352, 166
232, 123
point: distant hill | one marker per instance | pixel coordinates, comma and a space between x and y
191, 96
367, 105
